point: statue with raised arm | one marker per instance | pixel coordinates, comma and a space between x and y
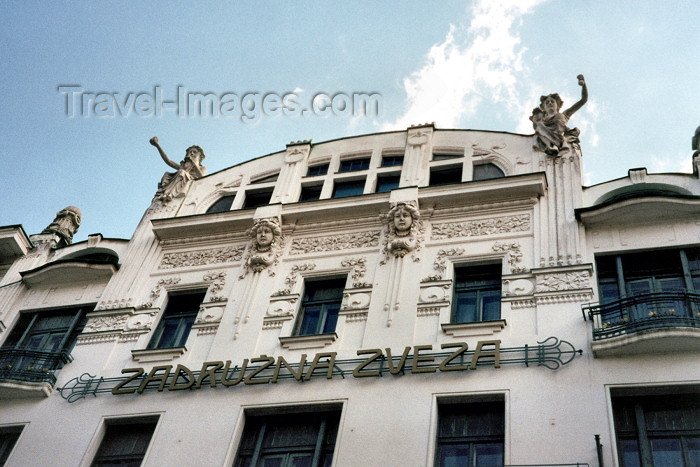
550, 122
174, 184
65, 225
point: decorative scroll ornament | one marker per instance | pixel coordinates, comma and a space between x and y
481, 227
335, 242
265, 247
202, 257
514, 255
291, 279
440, 263
403, 230
155, 293
217, 280
359, 269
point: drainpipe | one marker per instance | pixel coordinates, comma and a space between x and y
599, 448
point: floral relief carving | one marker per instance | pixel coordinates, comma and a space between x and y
209, 314
201, 257
359, 268
562, 281
291, 279
356, 300
105, 323
515, 256
481, 227
279, 308
265, 246
218, 280
440, 263
403, 230
140, 322
155, 293
434, 293
335, 242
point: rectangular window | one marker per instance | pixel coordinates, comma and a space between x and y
8, 438
320, 307
386, 183
314, 170
392, 161
349, 188
470, 434
268, 179
177, 320
446, 156
289, 440
353, 165
445, 175
659, 430
310, 193
254, 199
477, 293
40, 343
125, 442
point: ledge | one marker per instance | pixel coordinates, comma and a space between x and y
315, 341
24, 389
482, 328
650, 341
157, 355
68, 271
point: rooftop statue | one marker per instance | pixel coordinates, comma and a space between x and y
696, 141
550, 123
66, 224
173, 185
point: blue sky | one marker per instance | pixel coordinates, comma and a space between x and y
478, 64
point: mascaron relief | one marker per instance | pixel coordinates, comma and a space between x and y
403, 230
481, 227
201, 257
265, 247
335, 242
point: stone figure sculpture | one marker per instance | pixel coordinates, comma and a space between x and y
550, 123
266, 235
403, 221
66, 224
695, 145
174, 184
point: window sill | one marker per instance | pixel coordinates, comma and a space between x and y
157, 355
315, 341
481, 328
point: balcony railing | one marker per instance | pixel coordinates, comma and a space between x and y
32, 366
643, 312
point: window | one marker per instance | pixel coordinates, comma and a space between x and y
392, 161
445, 156
445, 175
40, 343
254, 199
477, 293
289, 440
177, 320
125, 442
487, 171
223, 204
321, 169
386, 183
348, 188
470, 434
319, 309
659, 430
310, 193
8, 439
269, 178
354, 164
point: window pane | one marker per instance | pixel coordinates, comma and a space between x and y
124, 444
693, 450
350, 188
310, 320
487, 171
488, 455
8, 438
445, 176
177, 320
666, 452
630, 453
454, 456
491, 305
465, 307
392, 161
331, 317
354, 164
222, 205
310, 193
321, 169
257, 198
387, 183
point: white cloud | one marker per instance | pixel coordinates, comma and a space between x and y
669, 163
475, 62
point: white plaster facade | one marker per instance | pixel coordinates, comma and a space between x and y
537, 222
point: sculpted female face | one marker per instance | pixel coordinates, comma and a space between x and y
550, 105
264, 236
194, 154
402, 220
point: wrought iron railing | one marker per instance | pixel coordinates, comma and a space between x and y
29, 365
643, 312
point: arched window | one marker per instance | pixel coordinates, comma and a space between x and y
487, 171
223, 204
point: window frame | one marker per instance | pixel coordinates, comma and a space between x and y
317, 170
392, 160
220, 203
185, 319
130, 422
484, 289
327, 306
257, 195
455, 174
356, 164
381, 178
305, 189
501, 173
9, 436
346, 183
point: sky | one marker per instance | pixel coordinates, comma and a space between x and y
478, 64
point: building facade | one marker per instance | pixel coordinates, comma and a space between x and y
412, 298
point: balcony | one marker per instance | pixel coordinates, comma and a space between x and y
668, 320
28, 373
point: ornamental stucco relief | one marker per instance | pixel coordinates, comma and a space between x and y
265, 246
481, 227
106, 323
155, 293
440, 263
359, 269
403, 230
302, 246
202, 257
515, 256
217, 280
292, 277
562, 281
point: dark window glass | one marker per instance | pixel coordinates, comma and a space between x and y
289, 440
487, 171
321, 169
269, 178
386, 183
470, 434
177, 320
477, 293
349, 188
254, 199
310, 193
223, 204
444, 156
319, 309
659, 430
8, 439
354, 164
392, 161
125, 444
445, 175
